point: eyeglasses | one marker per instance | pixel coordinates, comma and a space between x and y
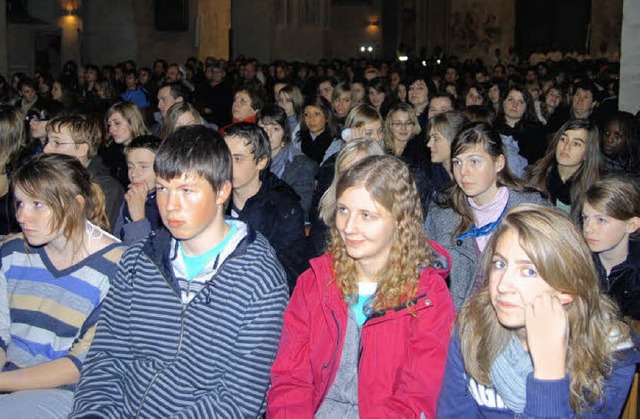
616, 135
36, 118
55, 143
400, 124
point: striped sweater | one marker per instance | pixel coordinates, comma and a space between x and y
152, 356
52, 313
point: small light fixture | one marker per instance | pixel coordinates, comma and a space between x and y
403, 58
370, 49
362, 48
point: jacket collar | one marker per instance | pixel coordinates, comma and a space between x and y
332, 297
158, 248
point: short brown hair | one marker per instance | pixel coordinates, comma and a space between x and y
82, 129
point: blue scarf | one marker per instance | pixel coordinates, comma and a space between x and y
484, 230
509, 375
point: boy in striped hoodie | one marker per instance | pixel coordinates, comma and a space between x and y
192, 323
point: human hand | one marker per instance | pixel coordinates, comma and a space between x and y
547, 328
352, 134
136, 197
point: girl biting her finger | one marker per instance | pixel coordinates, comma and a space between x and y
539, 339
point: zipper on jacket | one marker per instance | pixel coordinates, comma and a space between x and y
157, 374
182, 314
335, 362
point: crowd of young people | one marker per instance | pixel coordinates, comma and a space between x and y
349, 239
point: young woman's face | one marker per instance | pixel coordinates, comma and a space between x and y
343, 104
605, 234
366, 228
476, 172
376, 97
614, 139
286, 103
494, 94
514, 105
553, 98
56, 91
402, 92
276, 135
514, 281
140, 167
418, 93
35, 219
119, 128
401, 126
472, 97
358, 92
571, 148
314, 119
439, 146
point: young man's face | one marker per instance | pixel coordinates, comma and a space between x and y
29, 93
61, 142
246, 170
140, 167
191, 210
325, 89
131, 81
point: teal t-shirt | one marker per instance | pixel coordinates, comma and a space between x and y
196, 264
365, 292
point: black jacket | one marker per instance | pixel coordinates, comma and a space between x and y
623, 282
276, 213
113, 156
530, 136
112, 189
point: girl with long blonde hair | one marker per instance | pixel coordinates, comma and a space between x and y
366, 330
539, 339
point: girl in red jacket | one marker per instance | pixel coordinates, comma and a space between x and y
367, 328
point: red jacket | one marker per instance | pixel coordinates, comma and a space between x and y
402, 356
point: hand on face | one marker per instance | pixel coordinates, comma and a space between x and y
135, 197
547, 330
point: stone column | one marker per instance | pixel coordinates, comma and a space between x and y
71, 24
214, 21
630, 58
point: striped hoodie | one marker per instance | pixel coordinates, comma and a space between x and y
154, 356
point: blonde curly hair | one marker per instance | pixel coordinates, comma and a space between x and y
391, 185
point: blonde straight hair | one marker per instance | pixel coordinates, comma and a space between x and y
563, 259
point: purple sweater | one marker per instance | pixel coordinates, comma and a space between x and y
462, 396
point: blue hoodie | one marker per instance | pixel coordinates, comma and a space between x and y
461, 396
